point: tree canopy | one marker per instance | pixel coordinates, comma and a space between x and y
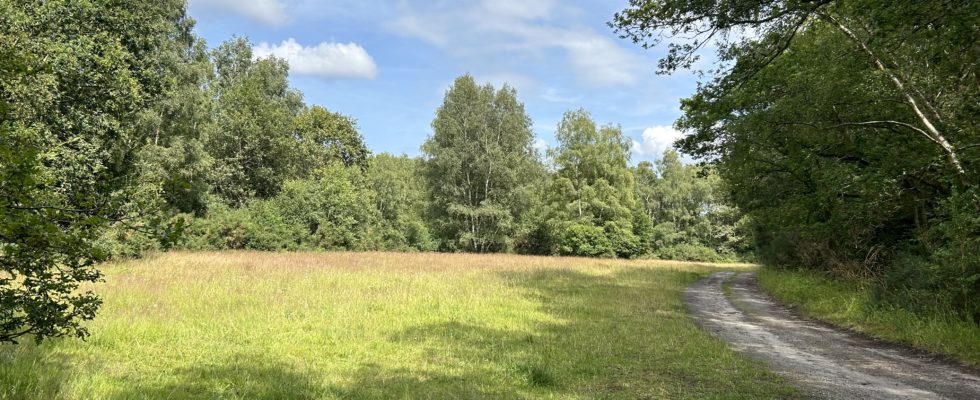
476, 165
845, 129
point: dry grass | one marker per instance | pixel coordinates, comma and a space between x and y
384, 325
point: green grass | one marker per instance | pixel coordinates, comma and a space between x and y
388, 325
850, 305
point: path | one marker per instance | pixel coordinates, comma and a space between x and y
825, 362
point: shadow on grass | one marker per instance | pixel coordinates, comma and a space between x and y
244, 377
28, 370
623, 334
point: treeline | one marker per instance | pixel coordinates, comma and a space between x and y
263, 171
847, 131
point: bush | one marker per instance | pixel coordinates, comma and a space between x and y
332, 211
256, 226
690, 252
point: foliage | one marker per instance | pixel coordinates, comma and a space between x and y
691, 212
400, 197
73, 79
332, 210
251, 139
592, 203
478, 164
326, 137
846, 130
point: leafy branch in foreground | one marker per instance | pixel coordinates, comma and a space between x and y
73, 79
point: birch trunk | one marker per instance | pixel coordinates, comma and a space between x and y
934, 133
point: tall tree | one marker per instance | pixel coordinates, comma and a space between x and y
251, 140
688, 207
74, 77
326, 137
478, 162
593, 204
923, 50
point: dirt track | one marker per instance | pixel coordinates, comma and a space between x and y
824, 362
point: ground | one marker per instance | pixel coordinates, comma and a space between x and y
389, 325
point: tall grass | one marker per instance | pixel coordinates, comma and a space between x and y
388, 325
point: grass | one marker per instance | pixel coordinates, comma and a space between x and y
850, 305
388, 325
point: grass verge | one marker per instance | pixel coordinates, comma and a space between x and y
388, 325
850, 305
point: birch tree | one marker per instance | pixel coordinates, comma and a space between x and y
593, 206
477, 164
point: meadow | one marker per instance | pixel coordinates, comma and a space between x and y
388, 325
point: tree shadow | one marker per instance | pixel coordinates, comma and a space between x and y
244, 377
29, 370
593, 344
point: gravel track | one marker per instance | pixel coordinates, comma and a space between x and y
824, 362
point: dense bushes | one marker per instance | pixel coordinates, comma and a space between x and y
334, 210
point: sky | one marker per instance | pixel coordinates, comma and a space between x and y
388, 63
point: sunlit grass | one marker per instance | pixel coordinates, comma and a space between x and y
388, 325
851, 306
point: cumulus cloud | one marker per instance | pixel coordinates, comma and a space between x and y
515, 32
269, 12
541, 145
655, 140
327, 59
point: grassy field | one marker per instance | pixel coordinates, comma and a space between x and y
388, 325
849, 305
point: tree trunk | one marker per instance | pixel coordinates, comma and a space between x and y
934, 133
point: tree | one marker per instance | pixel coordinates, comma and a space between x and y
846, 130
326, 137
689, 209
923, 50
251, 140
73, 79
593, 203
399, 196
477, 164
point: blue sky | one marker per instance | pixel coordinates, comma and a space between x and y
389, 63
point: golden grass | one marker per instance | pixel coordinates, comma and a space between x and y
388, 325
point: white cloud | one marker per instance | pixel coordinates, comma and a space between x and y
515, 33
656, 139
541, 145
554, 96
327, 59
269, 12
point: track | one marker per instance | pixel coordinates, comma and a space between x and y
823, 361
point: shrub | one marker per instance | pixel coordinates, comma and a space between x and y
690, 252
